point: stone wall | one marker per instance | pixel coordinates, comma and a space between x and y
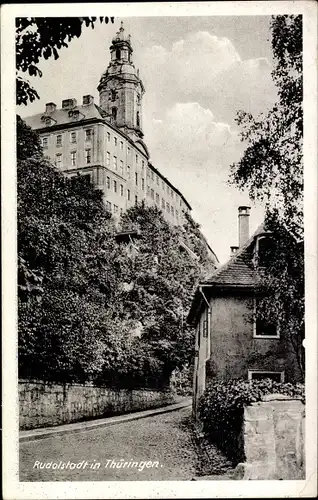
273, 434
43, 405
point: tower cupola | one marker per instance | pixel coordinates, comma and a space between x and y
121, 89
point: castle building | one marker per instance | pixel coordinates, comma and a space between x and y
105, 143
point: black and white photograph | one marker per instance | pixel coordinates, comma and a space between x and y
161, 308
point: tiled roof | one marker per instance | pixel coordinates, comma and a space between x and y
239, 270
63, 117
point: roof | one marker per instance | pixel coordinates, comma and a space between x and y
64, 117
238, 272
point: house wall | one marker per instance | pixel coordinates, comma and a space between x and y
234, 351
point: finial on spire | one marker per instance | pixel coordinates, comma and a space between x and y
121, 26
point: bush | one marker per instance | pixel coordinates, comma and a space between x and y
221, 409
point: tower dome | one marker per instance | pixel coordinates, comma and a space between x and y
121, 89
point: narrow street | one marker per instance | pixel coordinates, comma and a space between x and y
163, 442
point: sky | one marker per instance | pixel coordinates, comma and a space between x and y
197, 72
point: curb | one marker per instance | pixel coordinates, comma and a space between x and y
43, 433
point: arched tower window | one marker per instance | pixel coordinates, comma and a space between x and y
117, 53
114, 113
138, 119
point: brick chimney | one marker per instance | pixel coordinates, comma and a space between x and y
50, 107
88, 99
69, 103
244, 224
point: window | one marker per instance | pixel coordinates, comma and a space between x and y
108, 206
157, 180
128, 150
107, 158
108, 182
262, 328
128, 194
148, 190
136, 199
121, 211
177, 214
137, 159
148, 173
121, 190
115, 186
115, 141
163, 204
88, 134
73, 137
114, 116
138, 119
108, 136
171, 194
143, 184
115, 163
157, 199
136, 178
45, 142
163, 185
152, 194
73, 158
258, 375
59, 140
121, 167
168, 208
117, 53
115, 209
262, 249
128, 171
58, 160
152, 175
142, 165
87, 156
172, 211
121, 145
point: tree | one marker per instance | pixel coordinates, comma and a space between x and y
271, 169
38, 37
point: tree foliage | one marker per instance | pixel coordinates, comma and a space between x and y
38, 37
271, 169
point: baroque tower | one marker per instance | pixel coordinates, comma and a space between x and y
121, 89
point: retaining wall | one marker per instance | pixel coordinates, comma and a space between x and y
45, 405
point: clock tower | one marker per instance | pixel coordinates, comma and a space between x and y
121, 89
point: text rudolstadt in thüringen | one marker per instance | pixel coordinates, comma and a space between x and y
94, 465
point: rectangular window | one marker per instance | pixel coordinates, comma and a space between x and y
45, 142
152, 175
107, 158
115, 141
73, 137
121, 167
108, 206
157, 179
171, 194
163, 204
143, 184
88, 134
59, 140
136, 199
121, 211
58, 160
142, 164
177, 214
259, 375
108, 136
108, 182
115, 186
73, 158
136, 159
136, 178
115, 163
121, 145
121, 190
128, 194
152, 194
87, 156
148, 173
148, 190
172, 211
264, 328
168, 208
128, 171
163, 185
115, 209
157, 199
128, 150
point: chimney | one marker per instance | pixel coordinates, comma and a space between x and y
244, 224
69, 103
234, 250
50, 107
88, 99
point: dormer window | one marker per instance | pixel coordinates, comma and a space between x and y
263, 247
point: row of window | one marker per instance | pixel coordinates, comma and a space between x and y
73, 158
113, 208
73, 136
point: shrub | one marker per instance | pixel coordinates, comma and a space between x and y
221, 409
